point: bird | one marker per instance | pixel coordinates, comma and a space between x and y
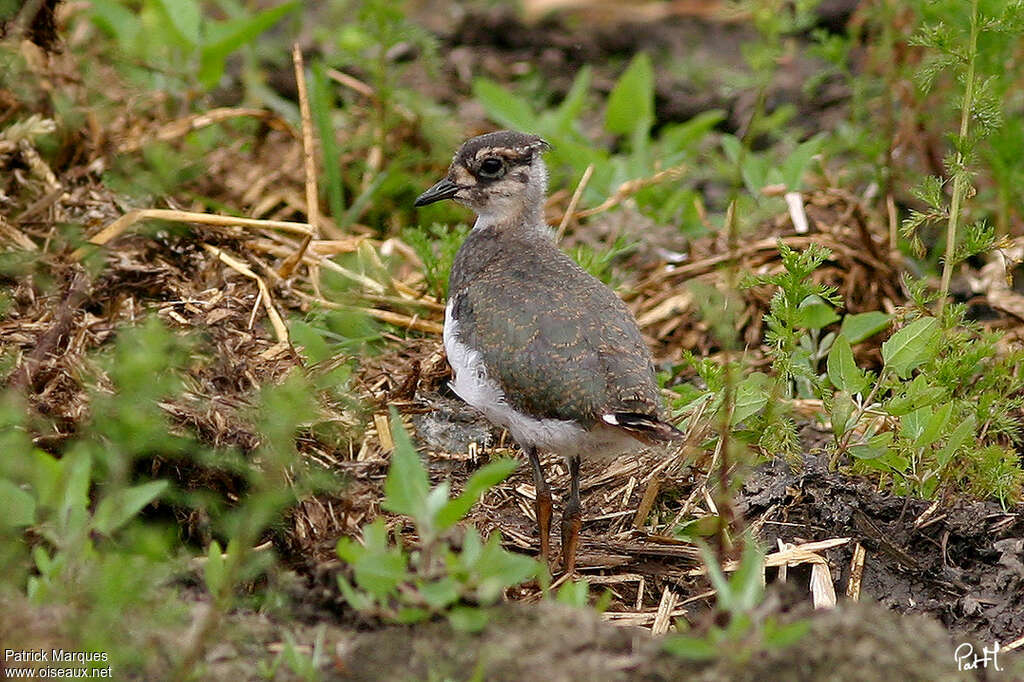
536, 344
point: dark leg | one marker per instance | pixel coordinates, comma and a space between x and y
542, 503
572, 518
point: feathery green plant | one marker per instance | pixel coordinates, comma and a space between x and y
954, 48
434, 578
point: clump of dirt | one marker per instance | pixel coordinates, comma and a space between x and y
549, 641
962, 563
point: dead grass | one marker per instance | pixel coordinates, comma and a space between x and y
225, 281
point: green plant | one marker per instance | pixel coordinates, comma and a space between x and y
739, 630
758, 409
303, 666
577, 593
371, 167
629, 115
954, 48
944, 393
436, 246
942, 413
599, 262
434, 578
160, 32
82, 526
71, 531
799, 310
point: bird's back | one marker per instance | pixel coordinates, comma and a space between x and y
559, 343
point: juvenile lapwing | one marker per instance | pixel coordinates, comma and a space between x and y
537, 344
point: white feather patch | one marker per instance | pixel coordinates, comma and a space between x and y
472, 384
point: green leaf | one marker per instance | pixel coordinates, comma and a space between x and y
572, 106
681, 136
935, 426
700, 527
360, 601
876, 446
481, 481
782, 636
732, 147
226, 37
631, 102
375, 537
691, 648
748, 581
717, 577
121, 506
406, 487
842, 368
310, 340
19, 505
814, 313
472, 548
348, 550
755, 171
842, 410
862, 326
117, 20
409, 614
47, 475
497, 569
751, 397
73, 512
919, 393
439, 594
184, 16
503, 106
469, 618
912, 424
911, 346
437, 499
957, 439
380, 574
797, 162
574, 593
44, 562
213, 572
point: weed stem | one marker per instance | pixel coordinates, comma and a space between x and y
959, 174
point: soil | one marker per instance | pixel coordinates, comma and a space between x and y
960, 562
862, 642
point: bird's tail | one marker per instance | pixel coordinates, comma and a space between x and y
644, 427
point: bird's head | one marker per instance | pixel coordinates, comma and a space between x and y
499, 175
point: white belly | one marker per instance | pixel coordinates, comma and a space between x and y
562, 437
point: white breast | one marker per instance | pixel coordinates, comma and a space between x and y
472, 384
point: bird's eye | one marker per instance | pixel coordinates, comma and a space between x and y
492, 167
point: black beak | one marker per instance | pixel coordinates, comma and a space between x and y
444, 189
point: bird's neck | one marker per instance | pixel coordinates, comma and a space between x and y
527, 222
498, 242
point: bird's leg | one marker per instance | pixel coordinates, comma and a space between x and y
572, 518
542, 503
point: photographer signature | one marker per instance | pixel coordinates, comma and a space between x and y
966, 660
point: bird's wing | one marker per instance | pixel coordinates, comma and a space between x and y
560, 344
